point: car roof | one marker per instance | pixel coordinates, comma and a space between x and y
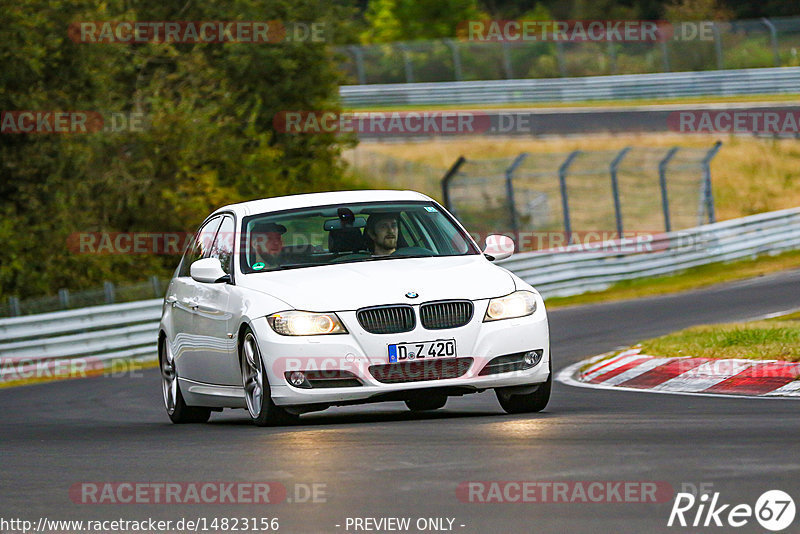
289, 202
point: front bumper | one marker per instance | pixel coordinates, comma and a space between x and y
358, 350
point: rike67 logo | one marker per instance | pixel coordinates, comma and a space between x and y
774, 510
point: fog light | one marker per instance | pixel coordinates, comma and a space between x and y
297, 378
531, 358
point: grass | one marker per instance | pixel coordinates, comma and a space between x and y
694, 278
591, 103
749, 175
775, 339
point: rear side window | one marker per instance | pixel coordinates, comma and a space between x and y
201, 245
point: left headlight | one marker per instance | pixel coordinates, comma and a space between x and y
300, 323
517, 304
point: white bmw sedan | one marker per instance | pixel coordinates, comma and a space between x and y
288, 305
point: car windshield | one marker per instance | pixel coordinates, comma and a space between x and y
349, 233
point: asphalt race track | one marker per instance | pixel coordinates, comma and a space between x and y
382, 461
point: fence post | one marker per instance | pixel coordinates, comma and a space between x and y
562, 179
773, 37
562, 63
612, 57
718, 46
662, 178
456, 58
13, 306
507, 61
510, 194
615, 187
63, 298
446, 182
358, 54
108, 288
407, 62
156, 286
709, 196
664, 50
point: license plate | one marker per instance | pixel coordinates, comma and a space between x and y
441, 348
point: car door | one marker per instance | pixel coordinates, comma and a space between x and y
182, 295
216, 360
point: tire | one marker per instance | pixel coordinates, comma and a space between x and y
424, 404
177, 410
535, 401
262, 410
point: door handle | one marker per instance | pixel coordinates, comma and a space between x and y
192, 303
172, 299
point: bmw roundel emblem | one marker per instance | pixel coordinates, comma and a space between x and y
412, 294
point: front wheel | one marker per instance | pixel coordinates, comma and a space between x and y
177, 410
262, 410
535, 401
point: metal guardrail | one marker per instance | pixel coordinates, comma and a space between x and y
578, 270
784, 80
93, 336
86, 339
680, 47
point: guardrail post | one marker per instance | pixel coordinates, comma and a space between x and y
446, 182
718, 46
510, 194
156, 286
456, 58
708, 196
407, 62
13, 307
615, 187
108, 289
773, 37
358, 55
662, 178
562, 179
63, 298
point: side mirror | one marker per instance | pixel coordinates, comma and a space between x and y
208, 271
498, 247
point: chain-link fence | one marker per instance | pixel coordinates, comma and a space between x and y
602, 192
715, 45
66, 299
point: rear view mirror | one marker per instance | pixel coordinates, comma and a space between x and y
498, 247
336, 224
208, 271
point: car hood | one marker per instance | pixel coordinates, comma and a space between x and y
350, 286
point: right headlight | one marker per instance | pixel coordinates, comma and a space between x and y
300, 323
517, 304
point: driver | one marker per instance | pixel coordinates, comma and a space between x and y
267, 242
382, 233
